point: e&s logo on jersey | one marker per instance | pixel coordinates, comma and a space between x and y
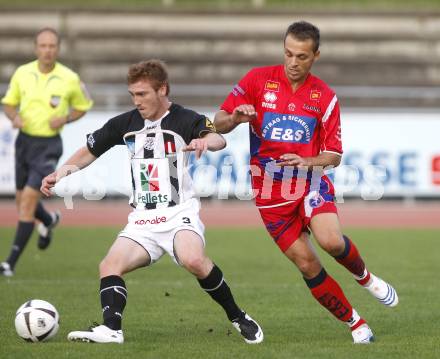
288, 128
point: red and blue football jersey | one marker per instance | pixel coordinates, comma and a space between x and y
305, 122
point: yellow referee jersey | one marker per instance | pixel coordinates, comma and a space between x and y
41, 97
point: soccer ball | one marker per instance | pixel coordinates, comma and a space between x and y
36, 321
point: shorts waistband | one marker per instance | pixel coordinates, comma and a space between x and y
153, 206
38, 138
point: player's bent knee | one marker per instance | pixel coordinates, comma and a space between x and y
309, 268
196, 265
192, 263
109, 267
332, 243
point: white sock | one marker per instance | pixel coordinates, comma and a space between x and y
354, 319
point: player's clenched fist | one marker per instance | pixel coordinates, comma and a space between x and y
17, 122
199, 145
47, 183
243, 113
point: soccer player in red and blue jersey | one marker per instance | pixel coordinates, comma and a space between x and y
295, 134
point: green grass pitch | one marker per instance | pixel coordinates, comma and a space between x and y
169, 316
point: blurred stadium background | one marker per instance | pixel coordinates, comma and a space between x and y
383, 60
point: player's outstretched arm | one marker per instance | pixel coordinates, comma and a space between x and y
211, 141
80, 159
215, 141
225, 122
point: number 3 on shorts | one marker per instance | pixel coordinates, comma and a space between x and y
186, 220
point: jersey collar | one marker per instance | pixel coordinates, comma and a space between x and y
37, 69
286, 80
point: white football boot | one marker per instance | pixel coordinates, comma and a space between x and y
97, 334
382, 291
6, 270
362, 335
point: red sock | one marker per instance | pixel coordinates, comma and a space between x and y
351, 259
330, 295
358, 324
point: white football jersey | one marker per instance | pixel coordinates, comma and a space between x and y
159, 168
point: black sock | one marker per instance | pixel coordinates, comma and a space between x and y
22, 235
215, 285
113, 299
42, 215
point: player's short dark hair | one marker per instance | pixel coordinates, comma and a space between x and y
48, 29
303, 30
153, 70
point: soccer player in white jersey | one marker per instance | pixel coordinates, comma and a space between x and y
159, 136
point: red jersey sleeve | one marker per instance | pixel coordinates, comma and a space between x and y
330, 134
242, 93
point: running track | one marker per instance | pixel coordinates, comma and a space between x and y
378, 214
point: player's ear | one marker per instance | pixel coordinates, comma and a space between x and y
163, 90
317, 54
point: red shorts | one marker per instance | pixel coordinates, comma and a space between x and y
285, 223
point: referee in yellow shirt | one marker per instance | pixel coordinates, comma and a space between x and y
42, 97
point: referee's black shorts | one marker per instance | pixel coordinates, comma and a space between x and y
35, 158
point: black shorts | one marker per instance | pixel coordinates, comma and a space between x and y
35, 158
